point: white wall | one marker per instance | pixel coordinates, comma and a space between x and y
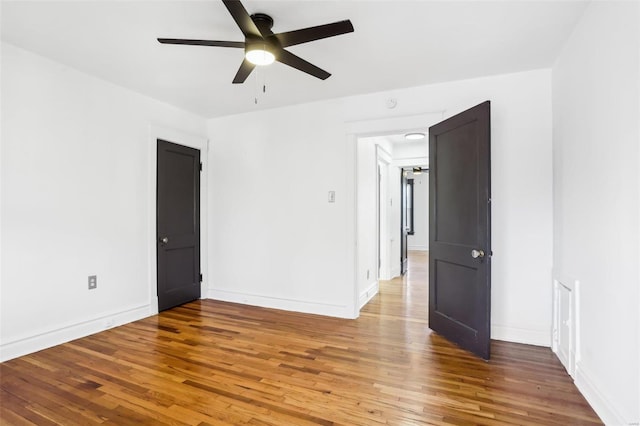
418, 151
596, 212
301, 249
275, 239
383, 158
394, 220
420, 238
75, 201
367, 258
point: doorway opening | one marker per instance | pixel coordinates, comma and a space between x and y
414, 211
383, 164
460, 206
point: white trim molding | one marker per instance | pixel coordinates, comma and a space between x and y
368, 294
383, 211
294, 305
395, 272
521, 335
394, 125
605, 408
411, 162
49, 338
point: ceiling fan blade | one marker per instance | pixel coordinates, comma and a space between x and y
243, 72
305, 35
298, 63
202, 42
242, 18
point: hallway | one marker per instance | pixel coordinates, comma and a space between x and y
405, 297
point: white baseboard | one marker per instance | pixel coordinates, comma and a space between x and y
339, 311
47, 339
417, 248
395, 272
521, 335
603, 407
366, 295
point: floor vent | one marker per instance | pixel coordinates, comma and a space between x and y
565, 341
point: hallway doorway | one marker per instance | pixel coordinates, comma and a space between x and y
383, 162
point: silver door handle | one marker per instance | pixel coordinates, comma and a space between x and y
477, 253
164, 240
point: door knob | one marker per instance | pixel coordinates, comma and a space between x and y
477, 254
164, 240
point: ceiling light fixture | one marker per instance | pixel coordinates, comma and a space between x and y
414, 136
259, 55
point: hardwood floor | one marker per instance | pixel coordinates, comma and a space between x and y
215, 363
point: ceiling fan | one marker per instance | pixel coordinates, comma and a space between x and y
262, 46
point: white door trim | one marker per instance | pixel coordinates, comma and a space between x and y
383, 160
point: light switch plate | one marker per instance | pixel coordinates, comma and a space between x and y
93, 282
332, 196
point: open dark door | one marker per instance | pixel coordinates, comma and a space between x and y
178, 223
460, 229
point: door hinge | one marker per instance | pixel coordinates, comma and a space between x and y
200, 277
200, 166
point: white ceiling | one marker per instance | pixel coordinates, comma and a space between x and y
396, 44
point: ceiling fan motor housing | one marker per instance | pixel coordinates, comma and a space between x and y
264, 22
269, 43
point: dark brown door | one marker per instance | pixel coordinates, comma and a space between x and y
460, 229
404, 230
178, 222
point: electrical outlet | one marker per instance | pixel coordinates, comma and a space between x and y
367, 274
332, 196
93, 282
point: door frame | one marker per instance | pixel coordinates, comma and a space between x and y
192, 141
368, 128
383, 162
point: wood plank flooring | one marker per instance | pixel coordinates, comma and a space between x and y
215, 363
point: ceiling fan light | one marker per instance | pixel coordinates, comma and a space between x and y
260, 56
414, 136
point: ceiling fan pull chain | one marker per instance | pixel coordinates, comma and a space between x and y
264, 82
256, 87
